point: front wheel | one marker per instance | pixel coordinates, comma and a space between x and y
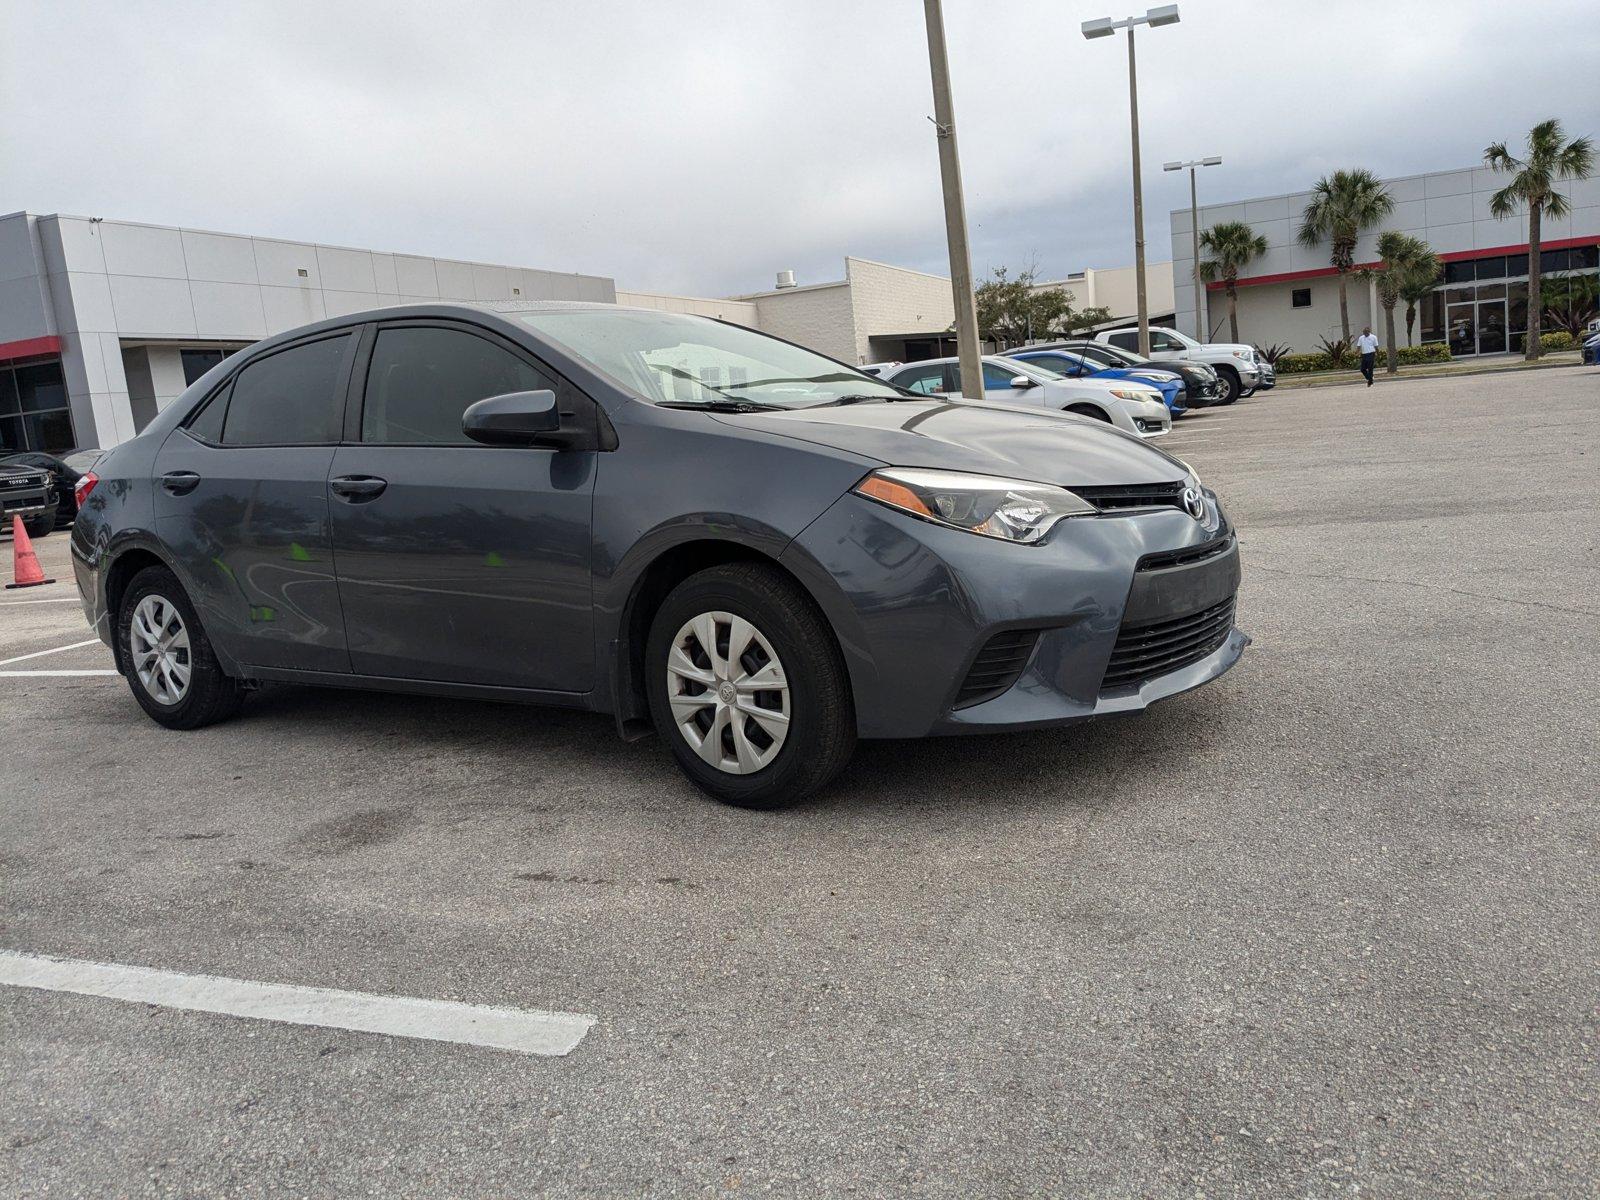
167, 658
1089, 410
747, 687
1230, 386
38, 527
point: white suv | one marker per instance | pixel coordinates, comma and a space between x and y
1132, 407
1241, 369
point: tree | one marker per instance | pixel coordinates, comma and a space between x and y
1416, 285
1403, 260
1550, 158
1569, 302
1233, 246
1343, 206
1011, 311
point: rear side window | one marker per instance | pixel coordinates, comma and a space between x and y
293, 397
1126, 340
925, 381
422, 379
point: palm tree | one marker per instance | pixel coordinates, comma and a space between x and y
1233, 246
1402, 260
1343, 206
1416, 285
1550, 158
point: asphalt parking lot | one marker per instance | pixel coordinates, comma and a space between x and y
1329, 925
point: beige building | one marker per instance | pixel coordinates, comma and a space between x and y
1117, 289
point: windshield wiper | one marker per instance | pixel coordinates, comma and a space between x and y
722, 406
866, 398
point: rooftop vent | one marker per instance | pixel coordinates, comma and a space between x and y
785, 279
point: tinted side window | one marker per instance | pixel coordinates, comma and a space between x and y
925, 381
293, 397
422, 379
997, 377
207, 424
1127, 340
1163, 341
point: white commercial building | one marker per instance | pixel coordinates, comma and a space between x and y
104, 322
1480, 306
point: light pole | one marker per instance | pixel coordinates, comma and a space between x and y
1201, 319
1167, 14
955, 208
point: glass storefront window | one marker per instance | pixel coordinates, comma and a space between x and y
1491, 268
34, 414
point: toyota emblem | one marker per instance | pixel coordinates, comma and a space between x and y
1194, 503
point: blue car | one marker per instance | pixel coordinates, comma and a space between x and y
1075, 367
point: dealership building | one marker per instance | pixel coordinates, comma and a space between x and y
102, 323
1480, 306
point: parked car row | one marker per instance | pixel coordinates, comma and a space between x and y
1131, 406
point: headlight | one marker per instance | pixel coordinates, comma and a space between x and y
1013, 510
1134, 394
1245, 354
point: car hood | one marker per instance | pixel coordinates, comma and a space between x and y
990, 439
1230, 348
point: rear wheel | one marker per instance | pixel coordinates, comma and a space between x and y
1089, 410
166, 657
748, 688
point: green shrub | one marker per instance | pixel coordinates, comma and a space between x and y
1560, 340
1428, 352
1298, 364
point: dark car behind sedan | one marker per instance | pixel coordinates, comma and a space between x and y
64, 469
27, 492
1203, 387
754, 551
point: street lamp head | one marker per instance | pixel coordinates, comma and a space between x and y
1172, 166
1210, 162
1167, 14
1098, 28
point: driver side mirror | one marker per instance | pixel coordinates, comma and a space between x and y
1021, 382
515, 419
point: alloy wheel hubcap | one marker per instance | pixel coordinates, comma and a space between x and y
159, 645
728, 692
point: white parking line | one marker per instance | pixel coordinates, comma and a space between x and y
528, 1031
6, 662
52, 674
56, 600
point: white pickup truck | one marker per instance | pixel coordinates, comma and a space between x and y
1241, 369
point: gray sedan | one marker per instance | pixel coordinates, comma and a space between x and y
756, 552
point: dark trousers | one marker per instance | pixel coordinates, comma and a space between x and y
1367, 362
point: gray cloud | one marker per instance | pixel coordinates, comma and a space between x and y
700, 146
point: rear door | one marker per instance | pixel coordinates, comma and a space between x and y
925, 379
242, 505
460, 562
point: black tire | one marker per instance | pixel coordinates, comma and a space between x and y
212, 695
1247, 392
1230, 386
1089, 410
38, 527
821, 733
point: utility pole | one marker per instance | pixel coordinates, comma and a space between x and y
1138, 205
955, 208
1201, 320
1101, 27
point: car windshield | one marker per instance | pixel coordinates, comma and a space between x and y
680, 360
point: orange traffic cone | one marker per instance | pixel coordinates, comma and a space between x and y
25, 563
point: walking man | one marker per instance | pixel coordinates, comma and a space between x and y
1367, 343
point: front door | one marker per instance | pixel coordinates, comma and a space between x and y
1461, 320
1492, 326
460, 562
241, 500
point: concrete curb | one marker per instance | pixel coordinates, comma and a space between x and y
1402, 377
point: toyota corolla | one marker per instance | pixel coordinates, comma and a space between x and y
756, 552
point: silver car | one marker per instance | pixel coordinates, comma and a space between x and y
1131, 406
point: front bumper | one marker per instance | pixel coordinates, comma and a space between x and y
28, 504
1267, 376
919, 609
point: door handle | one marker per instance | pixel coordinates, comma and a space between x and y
180, 483
358, 489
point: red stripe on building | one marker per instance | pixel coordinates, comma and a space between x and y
1453, 256
29, 348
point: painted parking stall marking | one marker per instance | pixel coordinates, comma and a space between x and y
6, 662
526, 1031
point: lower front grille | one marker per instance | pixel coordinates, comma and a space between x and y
997, 666
1143, 652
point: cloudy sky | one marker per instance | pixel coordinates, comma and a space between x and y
701, 145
